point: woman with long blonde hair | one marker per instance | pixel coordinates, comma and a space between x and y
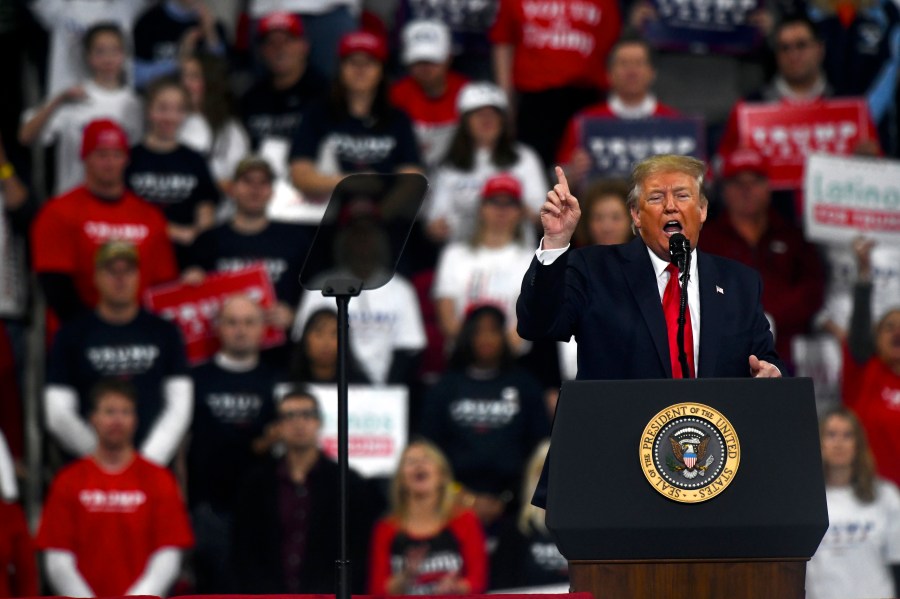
427, 545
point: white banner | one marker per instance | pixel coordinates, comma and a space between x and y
378, 422
845, 197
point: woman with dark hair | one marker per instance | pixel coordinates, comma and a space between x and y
427, 545
315, 358
356, 129
860, 554
483, 146
211, 127
486, 413
167, 173
105, 94
871, 376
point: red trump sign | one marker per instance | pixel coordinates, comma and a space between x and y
787, 133
194, 307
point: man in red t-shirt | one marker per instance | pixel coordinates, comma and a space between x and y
428, 94
552, 54
113, 523
70, 228
631, 77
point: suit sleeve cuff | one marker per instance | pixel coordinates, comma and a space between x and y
548, 257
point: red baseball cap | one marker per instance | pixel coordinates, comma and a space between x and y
744, 159
103, 134
502, 185
281, 21
365, 42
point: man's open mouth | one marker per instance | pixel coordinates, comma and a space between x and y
672, 227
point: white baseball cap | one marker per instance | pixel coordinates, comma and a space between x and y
480, 94
426, 41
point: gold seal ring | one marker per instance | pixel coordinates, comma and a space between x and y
689, 452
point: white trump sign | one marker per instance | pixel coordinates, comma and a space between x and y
378, 426
845, 197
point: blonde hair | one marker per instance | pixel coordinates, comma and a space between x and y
532, 517
665, 163
400, 497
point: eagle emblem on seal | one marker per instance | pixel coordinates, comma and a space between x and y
689, 448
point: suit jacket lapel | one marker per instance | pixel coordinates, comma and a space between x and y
711, 314
641, 280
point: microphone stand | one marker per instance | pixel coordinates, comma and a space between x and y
684, 265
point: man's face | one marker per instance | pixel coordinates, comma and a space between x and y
252, 192
630, 71
299, 423
669, 203
105, 167
429, 75
240, 327
746, 195
799, 55
117, 282
283, 53
115, 421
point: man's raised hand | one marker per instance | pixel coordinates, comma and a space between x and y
559, 214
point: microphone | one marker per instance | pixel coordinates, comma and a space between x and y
680, 254
679, 251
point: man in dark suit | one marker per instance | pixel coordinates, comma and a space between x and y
611, 297
614, 299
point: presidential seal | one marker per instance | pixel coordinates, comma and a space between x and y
689, 452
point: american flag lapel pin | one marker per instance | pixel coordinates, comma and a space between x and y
720, 290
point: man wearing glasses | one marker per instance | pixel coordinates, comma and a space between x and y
287, 516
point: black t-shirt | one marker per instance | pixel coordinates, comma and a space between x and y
526, 560
231, 409
176, 181
281, 247
487, 427
273, 113
157, 35
358, 144
443, 557
145, 351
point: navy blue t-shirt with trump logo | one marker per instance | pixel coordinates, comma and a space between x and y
146, 351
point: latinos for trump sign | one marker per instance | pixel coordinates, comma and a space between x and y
615, 145
704, 25
787, 133
377, 424
849, 196
194, 307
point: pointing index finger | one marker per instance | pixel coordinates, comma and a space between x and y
561, 178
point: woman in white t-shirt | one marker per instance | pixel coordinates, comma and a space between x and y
104, 95
489, 268
482, 146
859, 557
210, 127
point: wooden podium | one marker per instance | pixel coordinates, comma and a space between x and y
625, 540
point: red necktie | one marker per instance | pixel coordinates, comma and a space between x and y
670, 302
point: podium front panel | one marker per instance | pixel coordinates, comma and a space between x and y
601, 506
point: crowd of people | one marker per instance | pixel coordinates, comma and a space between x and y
193, 138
